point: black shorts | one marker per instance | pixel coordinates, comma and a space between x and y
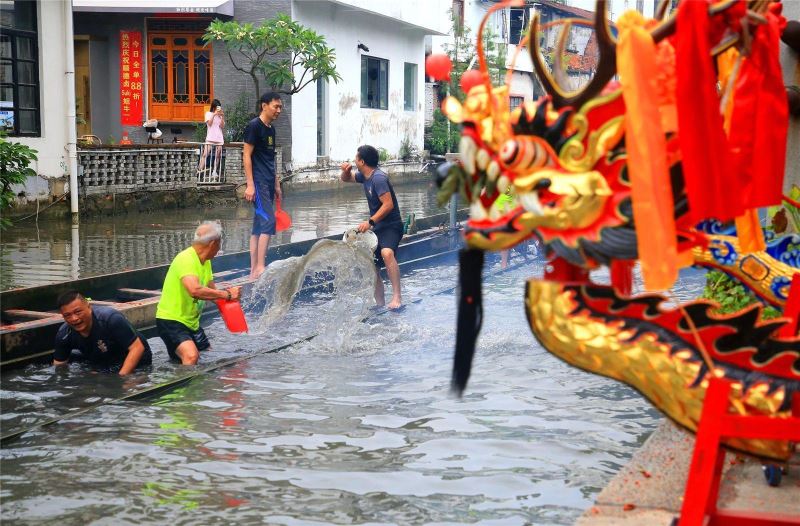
389, 237
175, 333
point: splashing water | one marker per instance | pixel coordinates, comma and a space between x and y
341, 275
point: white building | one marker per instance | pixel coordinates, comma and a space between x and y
36, 107
380, 55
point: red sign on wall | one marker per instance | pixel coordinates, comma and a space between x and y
130, 77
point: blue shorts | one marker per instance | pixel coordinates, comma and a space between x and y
264, 216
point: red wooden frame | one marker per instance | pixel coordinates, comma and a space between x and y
705, 471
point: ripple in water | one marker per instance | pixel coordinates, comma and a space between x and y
360, 431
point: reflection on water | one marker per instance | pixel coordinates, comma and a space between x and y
363, 431
57, 252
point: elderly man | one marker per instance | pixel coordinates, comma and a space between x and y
102, 335
188, 283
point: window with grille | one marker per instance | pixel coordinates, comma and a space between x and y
374, 83
180, 76
19, 69
515, 102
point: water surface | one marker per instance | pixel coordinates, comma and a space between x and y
354, 427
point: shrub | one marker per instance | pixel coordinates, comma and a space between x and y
408, 149
15, 160
237, 115
731, 295
437, 141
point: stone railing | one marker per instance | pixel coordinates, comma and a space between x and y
121, 169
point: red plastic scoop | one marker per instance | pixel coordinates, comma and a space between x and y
282, 219
232, 313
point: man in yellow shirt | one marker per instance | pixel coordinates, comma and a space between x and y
188, 283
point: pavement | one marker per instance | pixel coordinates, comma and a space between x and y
648, 491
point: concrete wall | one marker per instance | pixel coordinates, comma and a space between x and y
52, 155
103, 30
349, 125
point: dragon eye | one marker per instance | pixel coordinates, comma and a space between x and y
521, 154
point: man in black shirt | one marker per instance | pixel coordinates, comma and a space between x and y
384, 217
102, 335
263, 183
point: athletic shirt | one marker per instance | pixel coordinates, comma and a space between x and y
262, 137
374, 187
176, 304
106, 344
214, 133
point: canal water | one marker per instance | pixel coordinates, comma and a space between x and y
51, 251
356, 426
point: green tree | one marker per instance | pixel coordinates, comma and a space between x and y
462, 51
274, 50
15, 160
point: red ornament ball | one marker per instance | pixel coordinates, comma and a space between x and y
470, 79
438, 66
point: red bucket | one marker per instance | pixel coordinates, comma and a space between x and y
282, 219
232, 313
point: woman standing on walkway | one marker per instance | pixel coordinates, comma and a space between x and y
215, 122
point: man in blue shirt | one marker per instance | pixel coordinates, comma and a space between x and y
263, 184
384, 216
102, 335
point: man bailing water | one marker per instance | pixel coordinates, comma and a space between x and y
188, 283
102, 336
384, 218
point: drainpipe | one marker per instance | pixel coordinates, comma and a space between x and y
72, 133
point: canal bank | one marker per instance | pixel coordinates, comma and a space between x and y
649, 489
118, 179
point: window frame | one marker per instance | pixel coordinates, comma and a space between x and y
380, 96
518, 99
414, 102
170, 111
33, 35
524, 24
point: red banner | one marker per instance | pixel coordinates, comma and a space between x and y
131, 55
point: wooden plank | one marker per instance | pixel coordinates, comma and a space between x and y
30, 314
127, 293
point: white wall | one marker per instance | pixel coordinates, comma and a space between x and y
53, 105
348, 124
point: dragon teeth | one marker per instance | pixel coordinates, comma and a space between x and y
494, 213
493, 170
477, 212
502, 184
467, 148
530, 202
483, 159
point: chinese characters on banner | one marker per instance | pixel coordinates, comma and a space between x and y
130, 77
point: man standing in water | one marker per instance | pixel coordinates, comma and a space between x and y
384, 217
263, 184
188, 283
102, 335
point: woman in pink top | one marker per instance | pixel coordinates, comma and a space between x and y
215, 121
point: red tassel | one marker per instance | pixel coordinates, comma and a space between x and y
622, 276
760, 117
704, 147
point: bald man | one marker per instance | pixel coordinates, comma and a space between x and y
189, 282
